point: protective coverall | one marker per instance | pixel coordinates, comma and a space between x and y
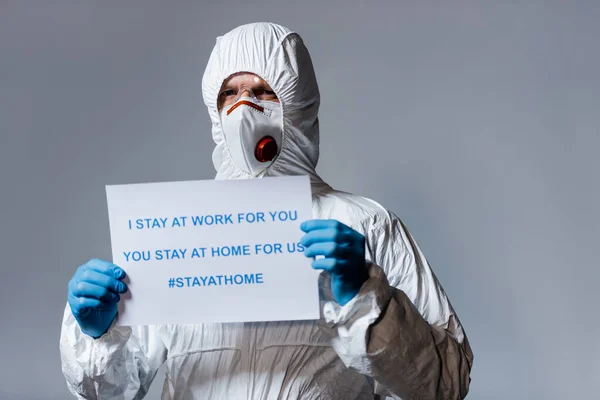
399, 337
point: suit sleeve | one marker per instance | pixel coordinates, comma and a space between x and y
401, 329
119, 365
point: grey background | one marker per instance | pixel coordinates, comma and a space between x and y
476, 122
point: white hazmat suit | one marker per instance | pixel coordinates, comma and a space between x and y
399, 337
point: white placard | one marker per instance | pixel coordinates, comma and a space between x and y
213, 251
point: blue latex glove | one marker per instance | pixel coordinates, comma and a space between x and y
344, 252
93, 294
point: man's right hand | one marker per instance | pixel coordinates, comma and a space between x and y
93, 294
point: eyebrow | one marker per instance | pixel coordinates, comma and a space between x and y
257, 85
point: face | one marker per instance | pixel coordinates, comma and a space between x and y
237, 86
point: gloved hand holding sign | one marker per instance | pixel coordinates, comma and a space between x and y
343, 250
93, 294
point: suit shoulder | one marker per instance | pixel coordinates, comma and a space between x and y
360, 209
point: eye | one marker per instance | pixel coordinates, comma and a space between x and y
227, 93
265, 94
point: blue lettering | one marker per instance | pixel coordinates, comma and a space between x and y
284, 215
219, 219
170, 254
126, 256
251, 218
226, 251
180, 254
218, 280
198, 253
138, 256
295, 247
149, 223
268, 248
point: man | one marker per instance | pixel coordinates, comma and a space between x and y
387, 326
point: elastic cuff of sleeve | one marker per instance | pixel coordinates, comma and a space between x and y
109, 344
114, 334
371, 299
83, 345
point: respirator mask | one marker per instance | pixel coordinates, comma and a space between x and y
253, 132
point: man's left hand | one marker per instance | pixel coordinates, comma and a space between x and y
343, 250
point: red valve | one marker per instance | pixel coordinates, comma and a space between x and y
266, 149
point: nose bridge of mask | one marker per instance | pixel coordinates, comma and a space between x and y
247, 124
248, 102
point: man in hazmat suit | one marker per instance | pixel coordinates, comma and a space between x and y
386, 329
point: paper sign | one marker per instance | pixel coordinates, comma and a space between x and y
213, 251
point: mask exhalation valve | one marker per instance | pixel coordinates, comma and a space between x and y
266, 149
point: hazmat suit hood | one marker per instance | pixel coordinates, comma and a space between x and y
278, 56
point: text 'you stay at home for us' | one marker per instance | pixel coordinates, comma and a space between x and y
195, 221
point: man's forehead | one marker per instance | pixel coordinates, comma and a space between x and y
243, 78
